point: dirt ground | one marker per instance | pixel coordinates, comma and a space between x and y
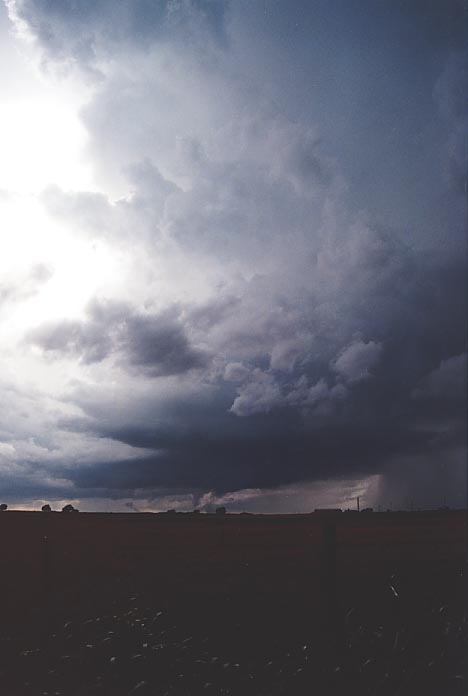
259, 592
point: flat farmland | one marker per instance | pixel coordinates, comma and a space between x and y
183, 554
165, 599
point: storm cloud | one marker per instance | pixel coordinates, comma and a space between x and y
279, 301
156, 345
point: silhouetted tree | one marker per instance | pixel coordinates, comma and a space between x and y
3, 507
46, 508
221, 511
69, 508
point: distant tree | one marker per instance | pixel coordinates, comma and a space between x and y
221, 511
69, 508
3, 507
46, 508
170, 512
196, 512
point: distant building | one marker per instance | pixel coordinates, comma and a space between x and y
171, 512
196, 512
367, 510
221, 511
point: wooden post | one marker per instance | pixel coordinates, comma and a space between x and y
46, 564
329, 564
46, 581
221, 532
329, 584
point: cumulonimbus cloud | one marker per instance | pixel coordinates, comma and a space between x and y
289, 335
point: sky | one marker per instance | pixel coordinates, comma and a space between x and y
233, 254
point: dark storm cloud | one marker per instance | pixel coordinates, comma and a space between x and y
154, 344
349, 411
233, 462
367, 73
447, 381
204, 448
408, 403
160, 346
314, 167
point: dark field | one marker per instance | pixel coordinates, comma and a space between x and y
205, 604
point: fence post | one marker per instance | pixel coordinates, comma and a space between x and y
329, 563
329, 583
46, 574
46, 563
222, 534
